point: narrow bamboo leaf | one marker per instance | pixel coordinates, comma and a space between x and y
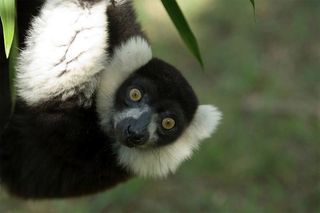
253, 4
12, 70
183, 27
7, 15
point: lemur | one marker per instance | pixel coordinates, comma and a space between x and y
94, 107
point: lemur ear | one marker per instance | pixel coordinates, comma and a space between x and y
205, 122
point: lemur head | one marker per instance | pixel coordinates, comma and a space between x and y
152, 107
151, 111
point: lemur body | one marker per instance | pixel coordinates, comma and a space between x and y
39, 148
94, 108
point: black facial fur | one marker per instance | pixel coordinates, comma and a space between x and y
171, 85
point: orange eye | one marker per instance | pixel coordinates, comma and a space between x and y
168, 123
135, 95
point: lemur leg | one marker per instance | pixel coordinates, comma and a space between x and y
123, 24
65, 50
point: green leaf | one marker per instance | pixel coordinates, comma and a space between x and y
183, 27
8, 15
12, 71
253, 4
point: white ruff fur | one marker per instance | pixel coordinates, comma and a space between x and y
127, 58
160, 162
65, 49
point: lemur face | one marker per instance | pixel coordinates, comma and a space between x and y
152, 107
151, 111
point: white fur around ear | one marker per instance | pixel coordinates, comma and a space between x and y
130, 56
160, 162
205, 122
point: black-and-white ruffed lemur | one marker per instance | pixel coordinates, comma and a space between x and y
94, 107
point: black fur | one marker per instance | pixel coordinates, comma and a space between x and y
54, 153
123, 25
26, 10
5, 101
171, 85
57, 149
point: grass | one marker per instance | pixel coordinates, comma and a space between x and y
264, 76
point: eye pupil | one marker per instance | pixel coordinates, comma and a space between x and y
168, 123
135, 95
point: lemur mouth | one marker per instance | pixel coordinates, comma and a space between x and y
135, 141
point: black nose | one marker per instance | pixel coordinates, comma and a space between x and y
135, 137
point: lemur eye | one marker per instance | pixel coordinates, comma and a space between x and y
135, 95
168, 123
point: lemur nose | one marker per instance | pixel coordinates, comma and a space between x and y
136, 137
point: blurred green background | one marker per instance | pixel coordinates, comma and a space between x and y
264, 75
